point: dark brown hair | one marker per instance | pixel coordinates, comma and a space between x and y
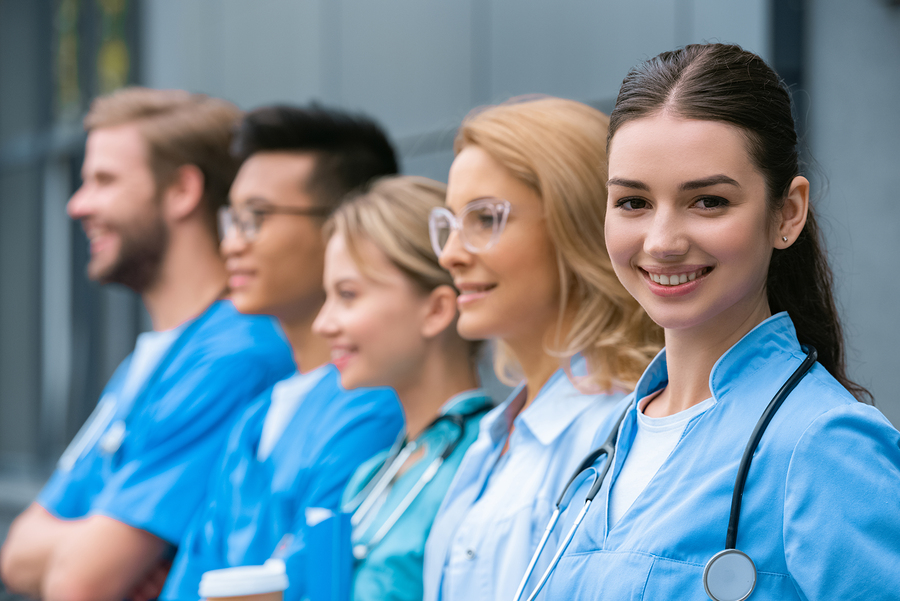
721, 82
350, 149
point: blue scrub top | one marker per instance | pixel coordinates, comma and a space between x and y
393, 567
176, 426
251, 504
821, 507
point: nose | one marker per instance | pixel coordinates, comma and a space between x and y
325, 325
666, 236
454, 255
233, 243
79, 205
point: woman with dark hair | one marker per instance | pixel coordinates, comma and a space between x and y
709, 227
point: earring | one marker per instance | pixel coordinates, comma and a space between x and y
784, 238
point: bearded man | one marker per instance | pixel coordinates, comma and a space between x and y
157, 168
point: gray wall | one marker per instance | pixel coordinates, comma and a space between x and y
853, 75
420, 65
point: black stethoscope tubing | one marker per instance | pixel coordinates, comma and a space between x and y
763, 423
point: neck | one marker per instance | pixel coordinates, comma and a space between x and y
440, 376
692, 353
310, 351
191, 276
538, 365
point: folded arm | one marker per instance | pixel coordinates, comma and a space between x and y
96, 558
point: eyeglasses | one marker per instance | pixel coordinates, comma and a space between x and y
479, 225
248, 219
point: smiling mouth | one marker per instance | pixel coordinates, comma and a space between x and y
476, 288
675, 279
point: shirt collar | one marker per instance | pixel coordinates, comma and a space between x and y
556, 406
774, 336
466, 402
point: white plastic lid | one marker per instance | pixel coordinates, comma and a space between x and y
245, 580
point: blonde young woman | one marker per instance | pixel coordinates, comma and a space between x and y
390, 319
522, 236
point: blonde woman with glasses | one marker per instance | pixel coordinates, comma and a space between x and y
522, 236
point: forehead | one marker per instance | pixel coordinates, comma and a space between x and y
277, 177
684, 149
115, 147
340, 263
476, 174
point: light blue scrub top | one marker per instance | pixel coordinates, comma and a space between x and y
175, 427
821, 507
251, 504
393, 567
498, 504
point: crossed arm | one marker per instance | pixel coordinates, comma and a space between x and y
92, 559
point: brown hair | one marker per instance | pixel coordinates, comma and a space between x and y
722, 82
556, 147
179, 128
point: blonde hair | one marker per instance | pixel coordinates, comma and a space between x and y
179, 129
557, 148
392, 213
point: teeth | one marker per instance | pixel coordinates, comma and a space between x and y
676, 279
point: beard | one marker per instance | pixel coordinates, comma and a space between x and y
142, 249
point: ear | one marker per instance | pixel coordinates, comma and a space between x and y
185, 194
792, 216
440, 311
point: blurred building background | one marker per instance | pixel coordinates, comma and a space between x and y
418, 66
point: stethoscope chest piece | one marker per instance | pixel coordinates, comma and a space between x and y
729, 576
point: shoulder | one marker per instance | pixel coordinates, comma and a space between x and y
225, 331
335, 408
232, 346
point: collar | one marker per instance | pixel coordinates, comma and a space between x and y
773, 337
556, 406
466, 402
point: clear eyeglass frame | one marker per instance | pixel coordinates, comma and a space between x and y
247, 220
470, 224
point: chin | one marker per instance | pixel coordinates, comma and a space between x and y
470, 327
245, 304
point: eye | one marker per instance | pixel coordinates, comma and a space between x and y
711, 202
346, 295
631, 203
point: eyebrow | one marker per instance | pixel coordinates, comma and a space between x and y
256, 201
696, 184
627, 183
706, 182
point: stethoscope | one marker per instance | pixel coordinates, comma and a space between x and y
730, 575
365, 513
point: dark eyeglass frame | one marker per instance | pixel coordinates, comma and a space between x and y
234, 219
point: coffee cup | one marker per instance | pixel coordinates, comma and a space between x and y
245, 583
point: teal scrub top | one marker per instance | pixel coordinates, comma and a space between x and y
393, 567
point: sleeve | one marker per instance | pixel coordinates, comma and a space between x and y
68, 493
366, 433
842, 507
158, 478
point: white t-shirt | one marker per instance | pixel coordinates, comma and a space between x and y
286, 398
655, 440
148, 352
